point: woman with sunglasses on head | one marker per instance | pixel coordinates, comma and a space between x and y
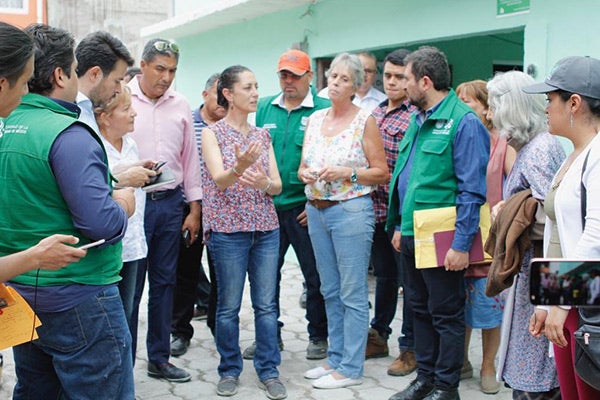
16, 67
573, 111
239, 176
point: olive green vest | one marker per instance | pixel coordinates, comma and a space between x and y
32, 206
432, 182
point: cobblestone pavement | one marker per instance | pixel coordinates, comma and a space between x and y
202, 359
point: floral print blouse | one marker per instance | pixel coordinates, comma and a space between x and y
238, 208
344, 149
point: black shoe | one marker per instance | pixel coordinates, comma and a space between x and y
439, 394
417, 390
179, 346
168, 371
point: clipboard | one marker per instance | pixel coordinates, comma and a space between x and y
18, 322
438, 220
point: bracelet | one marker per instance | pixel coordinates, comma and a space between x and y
266, 190
235, 172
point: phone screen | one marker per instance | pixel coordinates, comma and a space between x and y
563, 282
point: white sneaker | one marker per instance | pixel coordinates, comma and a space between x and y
329, 382
317, 373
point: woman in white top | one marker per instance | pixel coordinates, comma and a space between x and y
342, 161
573, 110
115, 119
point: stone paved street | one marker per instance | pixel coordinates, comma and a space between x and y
202, 359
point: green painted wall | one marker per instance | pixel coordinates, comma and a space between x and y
467, 30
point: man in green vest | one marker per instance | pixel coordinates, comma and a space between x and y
441, 162
285, 116
54, 178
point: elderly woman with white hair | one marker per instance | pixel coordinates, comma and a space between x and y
524, 361
342, 161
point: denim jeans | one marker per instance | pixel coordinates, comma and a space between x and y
438, 300
292, 233
82, 353
386, 273
341, 237
162, 225
127, 287
236, 255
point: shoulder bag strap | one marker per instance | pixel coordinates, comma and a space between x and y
583, 193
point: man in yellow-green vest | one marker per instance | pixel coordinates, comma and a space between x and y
442, 162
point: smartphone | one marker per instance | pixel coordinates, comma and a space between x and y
564, 282
93, 244
158, 165
187, 238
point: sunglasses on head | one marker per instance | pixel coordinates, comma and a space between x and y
163, 46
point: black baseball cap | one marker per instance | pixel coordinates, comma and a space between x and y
577, 74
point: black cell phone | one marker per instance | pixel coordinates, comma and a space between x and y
187, 238
564, 282
158, 165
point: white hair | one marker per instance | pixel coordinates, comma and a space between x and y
354, 65
516, 115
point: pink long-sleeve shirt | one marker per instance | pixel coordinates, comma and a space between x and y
164, 131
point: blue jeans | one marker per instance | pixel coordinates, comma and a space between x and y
234, 256
438, 300
127, 287
292, 233
386, 273
341, 237
82, 353
162, 225
389, 276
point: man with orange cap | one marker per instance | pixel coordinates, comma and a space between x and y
285, 116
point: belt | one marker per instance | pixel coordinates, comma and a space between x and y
320, 204
160, 194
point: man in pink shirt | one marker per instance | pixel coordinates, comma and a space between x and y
164, 131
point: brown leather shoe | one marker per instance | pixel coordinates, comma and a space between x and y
404, 364
376, 345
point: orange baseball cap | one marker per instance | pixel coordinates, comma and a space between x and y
295, 61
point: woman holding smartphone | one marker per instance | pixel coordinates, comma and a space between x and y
115, 119
573, 110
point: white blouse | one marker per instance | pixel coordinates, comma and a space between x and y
134, 241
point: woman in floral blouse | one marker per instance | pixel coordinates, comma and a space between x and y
342, 161
239, 176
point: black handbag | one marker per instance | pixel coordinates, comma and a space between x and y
587, 337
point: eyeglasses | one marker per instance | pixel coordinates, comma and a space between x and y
285, 75
370, 71
163, 46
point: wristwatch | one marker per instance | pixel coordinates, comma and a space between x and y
353, 177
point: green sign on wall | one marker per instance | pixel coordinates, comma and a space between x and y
511, 7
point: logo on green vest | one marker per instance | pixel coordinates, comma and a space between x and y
442, 127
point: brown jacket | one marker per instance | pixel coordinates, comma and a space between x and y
509, 240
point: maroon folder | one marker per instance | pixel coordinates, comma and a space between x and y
443, 242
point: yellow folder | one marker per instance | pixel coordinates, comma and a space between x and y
17, 319
428, 222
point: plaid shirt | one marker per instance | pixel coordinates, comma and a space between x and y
392, 125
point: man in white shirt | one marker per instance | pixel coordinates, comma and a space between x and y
102, 60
